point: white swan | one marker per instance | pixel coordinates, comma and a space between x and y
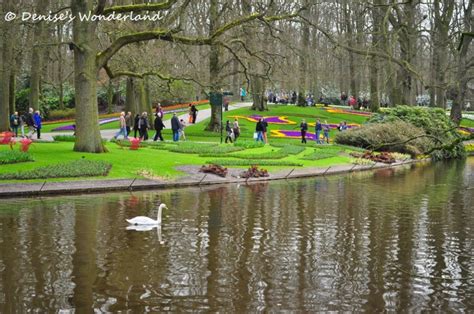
143, 220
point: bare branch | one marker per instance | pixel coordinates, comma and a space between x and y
140, 7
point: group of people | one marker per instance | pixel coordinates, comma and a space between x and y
354, 102
31, 119
261, 131
320, 128
232, 131
141, 124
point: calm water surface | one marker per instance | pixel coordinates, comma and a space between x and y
390, 240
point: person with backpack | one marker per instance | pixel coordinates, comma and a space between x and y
14, 123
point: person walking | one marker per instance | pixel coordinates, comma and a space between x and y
14, 123
30, 122
318, 129
259, 130
159, 112
128, 122
229, 132
136, 121
122, 126
182, 125
37, 119
159, 126
193, 112
243, 93
21, 119
175, 127
143, 126
264, 132
236, 129
326, 132
304, 129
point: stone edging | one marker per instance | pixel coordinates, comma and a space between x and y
96, 186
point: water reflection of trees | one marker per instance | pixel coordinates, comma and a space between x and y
360, 242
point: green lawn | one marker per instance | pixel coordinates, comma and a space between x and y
161, 162
129, 164
292, 113
46, 128
467, 123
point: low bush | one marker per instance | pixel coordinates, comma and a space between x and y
78, 168
445, 141
390, 136
245, 162
14, 156
362, 162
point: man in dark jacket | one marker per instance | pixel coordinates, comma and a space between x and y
30, 122
304, 128
175, 127
158, 128
193, 112
143, 126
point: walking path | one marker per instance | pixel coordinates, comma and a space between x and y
108, 134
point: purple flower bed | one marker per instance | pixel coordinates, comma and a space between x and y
70, 127
272, 119
466, 129
296, 134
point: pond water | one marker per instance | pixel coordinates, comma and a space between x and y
390, 240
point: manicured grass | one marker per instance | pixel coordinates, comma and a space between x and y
293, 113
161, 159
127, 163
467, 123
14, 156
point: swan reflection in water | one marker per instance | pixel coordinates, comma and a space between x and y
147, 228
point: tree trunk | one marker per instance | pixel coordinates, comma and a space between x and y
257, 86
110, 96
459, 90
88, 137
7, 56
440, 48
350, 41
303, 62
12, 92
130, 102
37, 57
215, 121
374, 63
60, 68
